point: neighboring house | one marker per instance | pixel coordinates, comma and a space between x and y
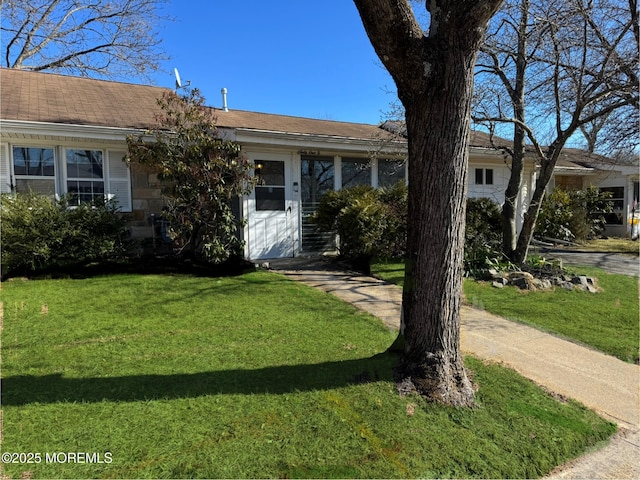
66, 135
577, 170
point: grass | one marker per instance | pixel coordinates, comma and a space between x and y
606, 321
622, 246
249, 376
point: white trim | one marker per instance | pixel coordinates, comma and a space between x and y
24, 129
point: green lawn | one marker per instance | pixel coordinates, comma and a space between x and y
622, 246
606, 321
247, 376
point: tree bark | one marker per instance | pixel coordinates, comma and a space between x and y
517, 94
434, 77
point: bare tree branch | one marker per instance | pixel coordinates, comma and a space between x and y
102, 38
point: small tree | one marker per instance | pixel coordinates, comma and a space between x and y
550, 70
201, 174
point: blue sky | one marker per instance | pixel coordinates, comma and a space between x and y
291, 57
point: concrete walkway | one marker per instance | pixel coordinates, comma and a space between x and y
603, 383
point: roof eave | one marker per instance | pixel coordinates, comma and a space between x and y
14, 128
317, 141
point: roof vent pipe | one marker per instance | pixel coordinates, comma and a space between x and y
224, 100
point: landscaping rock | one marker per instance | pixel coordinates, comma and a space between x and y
542, 284
566, 285
522, 280
544, 279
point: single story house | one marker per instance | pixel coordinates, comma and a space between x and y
577, 170
62, 134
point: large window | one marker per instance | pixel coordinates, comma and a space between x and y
390, 172
85, 175
356, 171
318, 177
34, 170
617, 197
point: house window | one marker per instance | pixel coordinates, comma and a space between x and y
484, 176
85, 175
34, 170
390, 172
617, 197
355, 171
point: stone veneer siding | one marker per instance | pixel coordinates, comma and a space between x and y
147, 200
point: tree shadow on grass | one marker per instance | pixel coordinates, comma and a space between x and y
27, 389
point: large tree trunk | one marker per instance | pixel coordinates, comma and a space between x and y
434, 77
435, 243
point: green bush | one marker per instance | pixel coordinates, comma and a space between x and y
483, 235
574, 215
39, 233
373, 223
370, 223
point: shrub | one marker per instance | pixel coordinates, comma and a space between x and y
483, 235
370, 223
373, 223
39, 233
574, 215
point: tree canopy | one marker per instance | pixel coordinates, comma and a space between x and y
90, 38
547, 72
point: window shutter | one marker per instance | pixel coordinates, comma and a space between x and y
119, 181
5, 170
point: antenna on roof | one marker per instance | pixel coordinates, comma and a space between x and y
179, 81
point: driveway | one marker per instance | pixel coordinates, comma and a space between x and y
610, 262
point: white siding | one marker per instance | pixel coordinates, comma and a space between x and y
494, 191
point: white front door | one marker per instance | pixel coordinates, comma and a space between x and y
271, 223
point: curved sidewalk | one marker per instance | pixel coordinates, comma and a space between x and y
603, 383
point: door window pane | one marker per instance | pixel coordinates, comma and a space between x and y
270, 198
270, 172
270, 192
